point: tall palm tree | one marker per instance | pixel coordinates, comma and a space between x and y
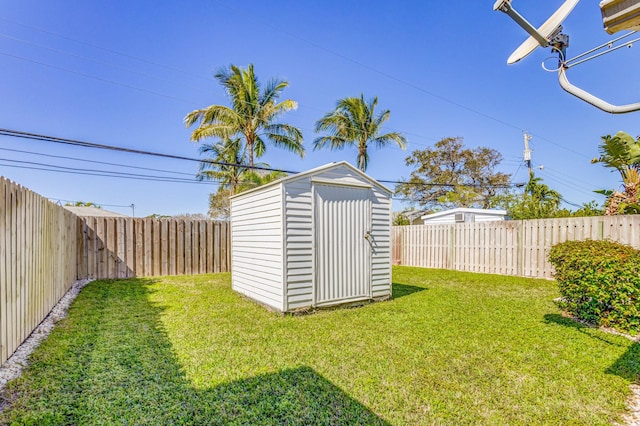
354, 122
252, 116
622, 153
544, 199
221, 166
219, 202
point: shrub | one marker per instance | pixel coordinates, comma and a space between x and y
599, 282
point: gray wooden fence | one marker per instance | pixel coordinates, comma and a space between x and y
37, 261
110, 247
44, 249
507, 247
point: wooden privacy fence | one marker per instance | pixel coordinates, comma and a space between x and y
37, 261
44, 249
505, 247
110, 247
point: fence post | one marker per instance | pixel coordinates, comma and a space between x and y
452, 233
601, 230
401, 235
520, 250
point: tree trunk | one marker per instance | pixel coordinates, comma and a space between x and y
362, 152
250, 143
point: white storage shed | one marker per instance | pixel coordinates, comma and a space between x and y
317, 238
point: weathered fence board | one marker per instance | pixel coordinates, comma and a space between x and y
115, 247
504, 247
38, 257
45, 248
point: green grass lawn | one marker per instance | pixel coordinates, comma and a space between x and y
450, 348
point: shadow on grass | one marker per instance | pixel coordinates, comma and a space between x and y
401, 290
627, 366
111, 362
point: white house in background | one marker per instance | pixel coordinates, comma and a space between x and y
317, 238
464, 215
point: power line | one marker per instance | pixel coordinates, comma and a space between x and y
106, 172
95, 161
73, 142
84, 144
335, 53
105, 80
95, 46
402, 81
452, 185
75, 55
100, 174
96, 203
149, 75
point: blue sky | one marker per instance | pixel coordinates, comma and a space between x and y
126, 73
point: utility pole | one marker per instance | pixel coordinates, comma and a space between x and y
527, 153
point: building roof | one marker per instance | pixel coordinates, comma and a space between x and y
414, 214
486, 212
313, 172
84, 211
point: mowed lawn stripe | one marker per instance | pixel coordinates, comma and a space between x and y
450, 348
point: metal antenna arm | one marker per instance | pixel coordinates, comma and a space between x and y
505, 6
593, 100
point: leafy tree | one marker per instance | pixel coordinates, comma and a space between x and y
252, 116
450, 175
538, 201
592, 208
622, 153
355, 123
399, 219
190, 216
84, 204
219, 202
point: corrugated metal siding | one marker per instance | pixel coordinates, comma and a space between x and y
272, 237
298, 244
256, 250
299, 247
381, 254
342, 217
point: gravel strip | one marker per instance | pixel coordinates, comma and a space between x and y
13, 367
633, 416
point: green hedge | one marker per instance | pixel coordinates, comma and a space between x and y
599, 282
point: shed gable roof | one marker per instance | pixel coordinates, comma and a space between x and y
316, 171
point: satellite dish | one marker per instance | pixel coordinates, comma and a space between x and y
539, 37
617, 15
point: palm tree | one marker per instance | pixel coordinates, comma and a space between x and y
252, 115
354, 122
622, 153
221, 165
545, 200
219, 204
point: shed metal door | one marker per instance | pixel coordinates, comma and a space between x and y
342, 251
